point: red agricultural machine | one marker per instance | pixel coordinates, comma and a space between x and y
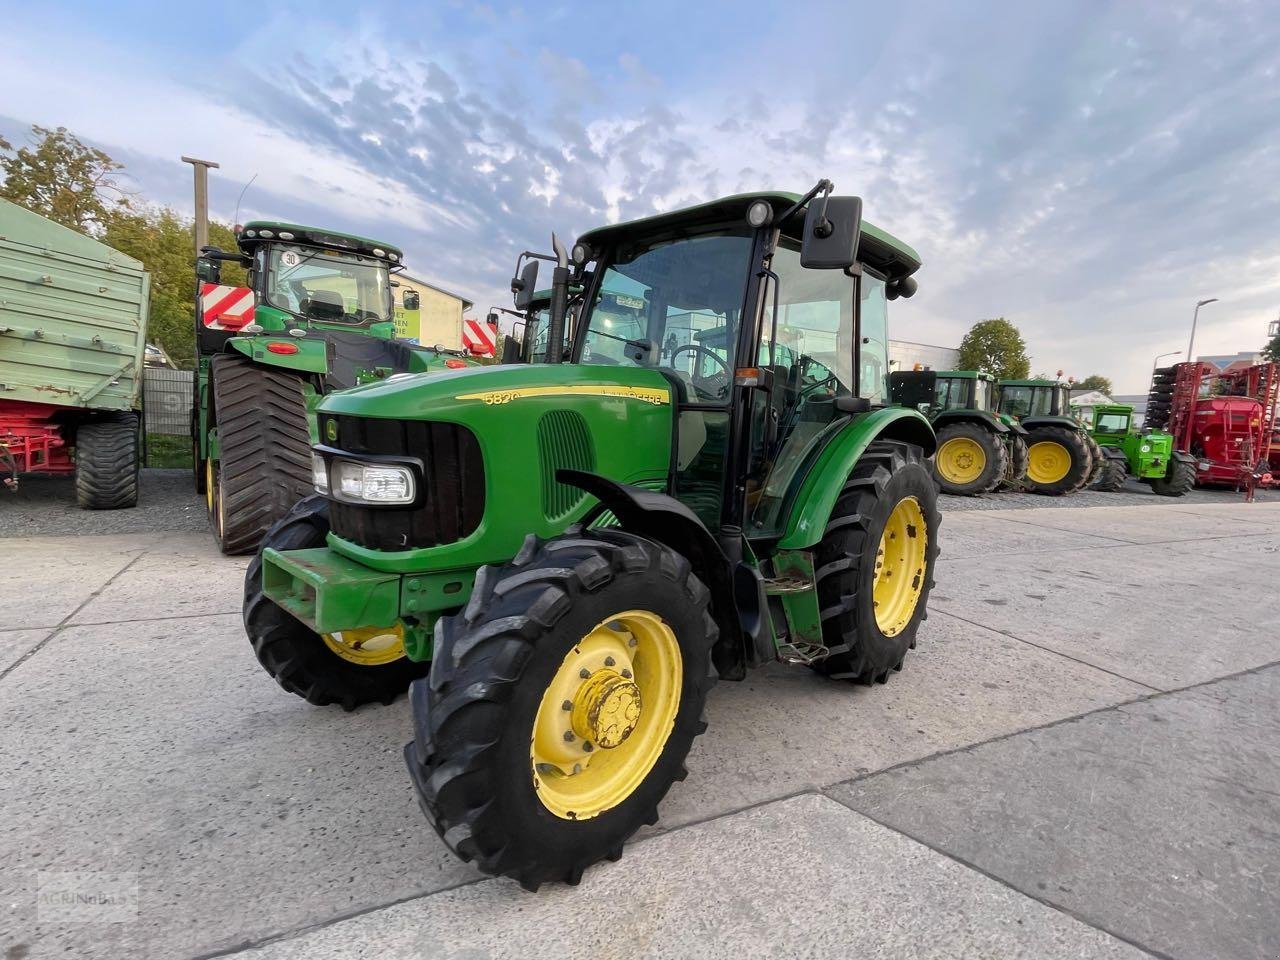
1227, 420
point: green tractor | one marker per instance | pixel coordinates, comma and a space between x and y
1061, 456
979, 448
578, 550
1148, 456
315, 317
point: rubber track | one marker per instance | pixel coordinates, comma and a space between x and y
107, 464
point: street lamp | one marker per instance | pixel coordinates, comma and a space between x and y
1194, 316
1156, 362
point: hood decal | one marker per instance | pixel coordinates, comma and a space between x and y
651, 395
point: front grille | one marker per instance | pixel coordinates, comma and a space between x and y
564, 443
453, 501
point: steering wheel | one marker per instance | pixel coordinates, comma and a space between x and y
712, 386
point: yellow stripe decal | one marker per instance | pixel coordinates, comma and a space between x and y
647, 394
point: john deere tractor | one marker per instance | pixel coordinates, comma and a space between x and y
1148, 456
578, 550
979, 448
1061, 456
316, 316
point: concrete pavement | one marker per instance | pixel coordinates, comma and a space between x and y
1078, 761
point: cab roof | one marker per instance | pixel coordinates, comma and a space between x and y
1033, 383
967, 375
878, 248
250, 236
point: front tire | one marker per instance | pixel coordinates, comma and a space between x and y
1114, 474
970, 459
867, 623
561, 704
367, 667
1177, 482
1059, 461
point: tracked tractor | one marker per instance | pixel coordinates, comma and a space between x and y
1061, 456
580, 549
979, 448
1148, 455
315, 317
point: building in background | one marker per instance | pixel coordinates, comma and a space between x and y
1231, 361
905, 354
438, 319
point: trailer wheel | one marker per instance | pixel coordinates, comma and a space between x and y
107, 463
562, 703
264, 464
1114, 474
1058, 460
875, 563
1177, 482
970, 459
1016, 474
367, 666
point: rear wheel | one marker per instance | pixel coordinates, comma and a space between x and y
264, 459
349, 668
1016, 473
1096, 459
561, 704
107, 464
875, 563
1114, 474
1058, 460
1179, 480
970, 459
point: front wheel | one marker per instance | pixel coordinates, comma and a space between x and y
561, 704
1178, 481
875, 563
1113, 476
350, 668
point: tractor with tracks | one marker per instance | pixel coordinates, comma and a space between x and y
567, 555
315, 317
1061, 456
1148, 456
979, 448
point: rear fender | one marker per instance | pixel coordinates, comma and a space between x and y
310, 357
1114, 453
1182, 457
737, 591
1031, 423
810, 508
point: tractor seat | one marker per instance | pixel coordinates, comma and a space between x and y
323, 304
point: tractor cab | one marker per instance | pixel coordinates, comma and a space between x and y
1111, 423
1035, 398
1062, 456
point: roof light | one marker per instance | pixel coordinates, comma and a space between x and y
394, 257
759, 213
265, 234
581, 253
286, 235
251, 233
379, 252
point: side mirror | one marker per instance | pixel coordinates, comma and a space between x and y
208, 270
411, 300
832, 230
491, 317
525, 285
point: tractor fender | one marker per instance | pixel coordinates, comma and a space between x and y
809, 508
969, 416
1030, 423
737, 590
1113, 453
1183, 457
311, 356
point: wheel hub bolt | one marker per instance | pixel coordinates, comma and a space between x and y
588, 747
568, 736
626, 673
584, 673
567, 705
609, 661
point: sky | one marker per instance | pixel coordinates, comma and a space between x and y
1086, 170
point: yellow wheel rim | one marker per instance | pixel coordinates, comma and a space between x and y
208, 485
961, 460
367, 646
606, 715
1049, 462
900, 567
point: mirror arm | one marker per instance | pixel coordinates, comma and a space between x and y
823, 186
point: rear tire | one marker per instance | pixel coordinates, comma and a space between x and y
1059, 461
107, 464
264, 464
1114, 474
846, 560
1177, 482
970, 459
477, 717
297, 657
1097, 460
1015, 476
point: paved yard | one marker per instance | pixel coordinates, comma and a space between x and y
1080, 760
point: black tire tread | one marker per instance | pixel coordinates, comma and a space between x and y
107, 463
1114, 474
992, 445
1074, 441
1177, 482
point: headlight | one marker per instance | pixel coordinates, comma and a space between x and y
319, 473
372, 482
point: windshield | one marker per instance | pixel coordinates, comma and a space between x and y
1113, 423
1025, 401
674, 306
327, 285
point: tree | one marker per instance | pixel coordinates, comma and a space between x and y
1272, 350
1096, 381
997, 347
59, 177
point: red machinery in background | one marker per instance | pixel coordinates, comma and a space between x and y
1227, 421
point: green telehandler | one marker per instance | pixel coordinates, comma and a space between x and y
578, 550
979, 448
315, 317
1061, 456
1148, 456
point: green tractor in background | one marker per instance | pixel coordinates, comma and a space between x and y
578, 550
1061, 456
1148, 456
317, 316
979, 448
